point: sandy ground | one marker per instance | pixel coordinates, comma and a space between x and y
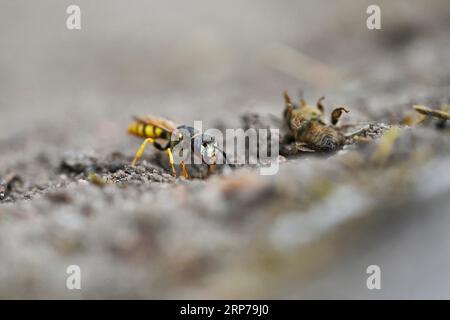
310, 231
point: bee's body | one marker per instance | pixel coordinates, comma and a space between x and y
320, 137
165, 135
308, 128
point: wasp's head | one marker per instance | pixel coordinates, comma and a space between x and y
201, 144
207, 146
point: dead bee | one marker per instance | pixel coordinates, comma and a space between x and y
164, 135
308, 128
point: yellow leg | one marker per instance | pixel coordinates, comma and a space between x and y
184, 171
169, 153
212, 167
141, 150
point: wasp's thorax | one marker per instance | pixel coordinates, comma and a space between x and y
200, 143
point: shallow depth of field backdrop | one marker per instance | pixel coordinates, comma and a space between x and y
308, 232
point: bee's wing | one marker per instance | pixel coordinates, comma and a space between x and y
164, 124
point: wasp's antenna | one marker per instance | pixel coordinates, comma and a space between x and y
196, 135
224, 155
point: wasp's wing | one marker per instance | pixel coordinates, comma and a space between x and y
164, 124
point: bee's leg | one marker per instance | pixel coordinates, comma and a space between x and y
183, 169
288, 106
169, 153
320, 104
287, 99
141, 150
361, 139
301, 146
337, 113
295, 148
302, 98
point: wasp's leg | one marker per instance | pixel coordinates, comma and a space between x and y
169, 153
212, 168
183, 169
337, 113
320, 104
141, 150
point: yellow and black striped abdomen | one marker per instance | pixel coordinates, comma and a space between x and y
146, 130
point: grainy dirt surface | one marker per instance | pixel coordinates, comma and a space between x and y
68, 194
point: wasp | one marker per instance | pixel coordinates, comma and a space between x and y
164, 135
308, 128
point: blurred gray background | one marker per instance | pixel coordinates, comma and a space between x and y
212, 61
202, 59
